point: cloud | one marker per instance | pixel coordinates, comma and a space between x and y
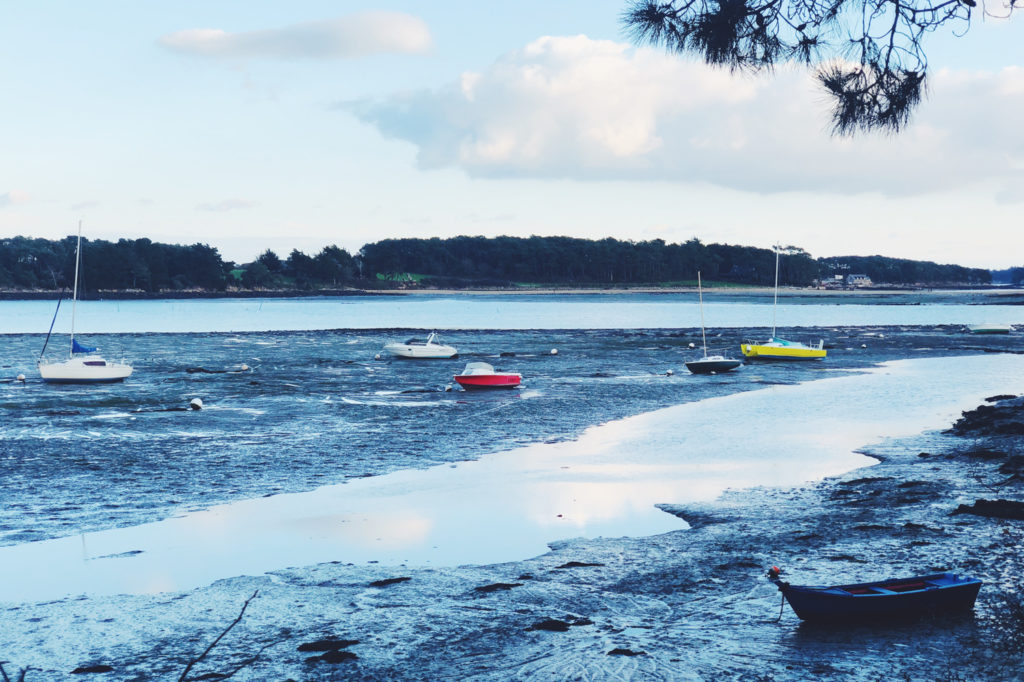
573, 107
226, 205
355, 35
15, 196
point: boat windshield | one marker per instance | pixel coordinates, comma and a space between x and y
478, 368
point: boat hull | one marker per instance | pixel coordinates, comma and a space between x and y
884, 600
757, 351
712, 366
431, 352
90, 370
473, 382
989, 328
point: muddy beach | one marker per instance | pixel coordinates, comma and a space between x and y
687, 604
690, 604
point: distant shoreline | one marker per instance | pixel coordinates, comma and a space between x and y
784, 292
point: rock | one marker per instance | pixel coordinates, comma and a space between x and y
996, 509
507, 354
494, 587
389, 581
626, 652
92, 669
577, 564
550, 625
329, 644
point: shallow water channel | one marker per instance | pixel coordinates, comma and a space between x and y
509, 504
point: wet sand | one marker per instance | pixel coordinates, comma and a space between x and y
688, 604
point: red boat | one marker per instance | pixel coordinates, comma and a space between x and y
482, 375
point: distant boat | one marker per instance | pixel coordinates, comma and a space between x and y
882, 600
712, 364
421, 349
989, 328
776, 348
84, 365
482, 375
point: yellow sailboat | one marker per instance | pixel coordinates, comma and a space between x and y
776, 348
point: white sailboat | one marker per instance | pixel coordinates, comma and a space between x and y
84, 365
709, 364
776, 348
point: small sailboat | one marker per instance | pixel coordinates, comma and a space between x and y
776, 348
482, 375
709, 364
883, 600
421, 349
84, 365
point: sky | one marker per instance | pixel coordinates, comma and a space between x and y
262, 124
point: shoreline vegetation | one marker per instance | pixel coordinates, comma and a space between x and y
997, 292
40, 268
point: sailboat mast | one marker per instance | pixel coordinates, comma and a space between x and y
775, 304
703, 336
74, 295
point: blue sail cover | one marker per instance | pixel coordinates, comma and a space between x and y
79, 348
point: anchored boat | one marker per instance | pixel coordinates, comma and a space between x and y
709, 364
421, 349
881, 600
989, 328
84, 365
482, 375
776, 348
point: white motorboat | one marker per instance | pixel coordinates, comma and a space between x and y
421, 349
84, 365
989, 328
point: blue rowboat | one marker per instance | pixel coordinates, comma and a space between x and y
885, 599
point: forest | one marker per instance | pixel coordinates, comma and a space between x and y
141, 265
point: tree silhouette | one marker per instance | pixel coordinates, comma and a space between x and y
869, 54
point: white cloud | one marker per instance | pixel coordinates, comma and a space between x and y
354, 35
15, 196
227, 205
578, 108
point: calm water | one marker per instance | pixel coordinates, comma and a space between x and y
290, 412
508, 506
626, 311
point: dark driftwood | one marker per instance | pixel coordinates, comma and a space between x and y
236, 621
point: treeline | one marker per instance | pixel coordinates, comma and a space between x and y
146, 266
903, 271
564, 260
128, 264
143, 265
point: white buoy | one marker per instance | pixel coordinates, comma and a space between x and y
244, 367
692, 346
377, 356
863, 345
196, 404
21, 378
554, 351
670, 372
